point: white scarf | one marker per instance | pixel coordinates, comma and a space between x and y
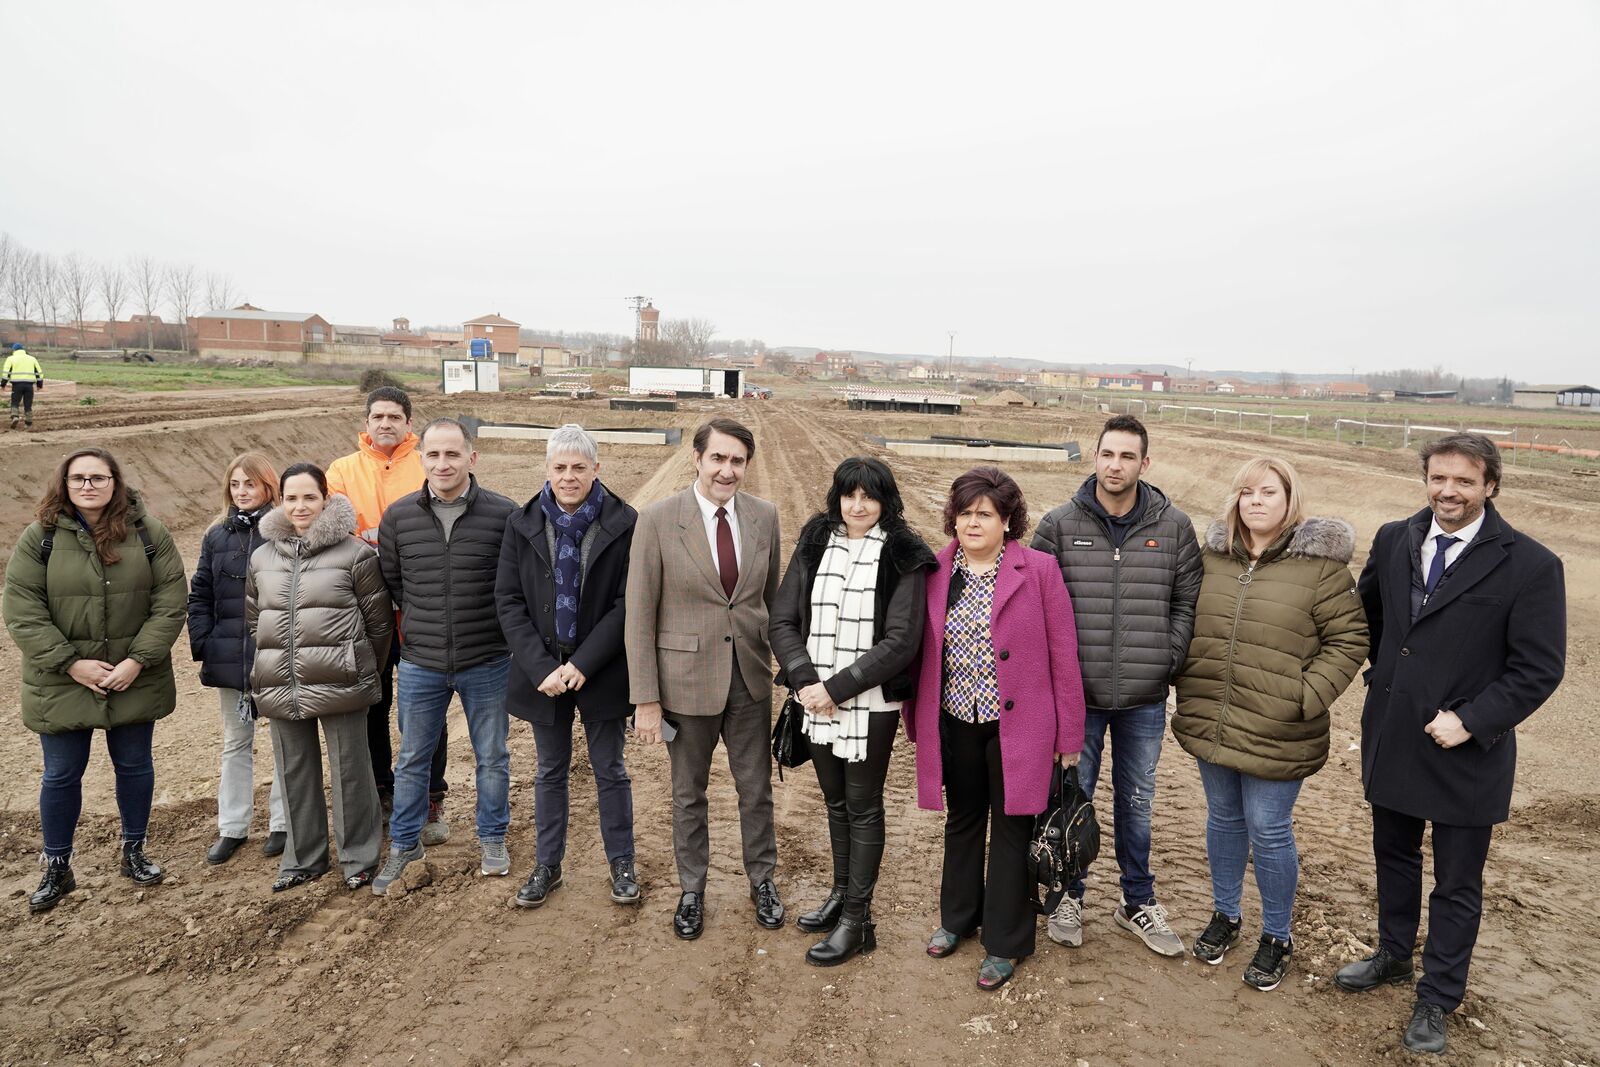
843, 603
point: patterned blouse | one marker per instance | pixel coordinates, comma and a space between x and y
971, 691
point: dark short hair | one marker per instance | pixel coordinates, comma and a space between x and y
873, 477
1125, 424
391, 394
736, 430
312, 469
1002, 491
1474, 446
466, 434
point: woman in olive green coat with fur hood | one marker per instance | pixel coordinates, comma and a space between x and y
1279, 634
94, 616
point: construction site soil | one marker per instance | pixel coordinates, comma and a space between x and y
210, 967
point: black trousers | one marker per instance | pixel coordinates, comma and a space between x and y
975, 798
22, 397
1454, 906
854, 794
382, 749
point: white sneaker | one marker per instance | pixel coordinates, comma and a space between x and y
1066, 922
1149, 924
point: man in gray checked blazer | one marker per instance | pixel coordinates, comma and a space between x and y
701, 575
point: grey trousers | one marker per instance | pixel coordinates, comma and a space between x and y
745, 729
357, 818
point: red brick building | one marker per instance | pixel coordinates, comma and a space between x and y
259, 331
501, 333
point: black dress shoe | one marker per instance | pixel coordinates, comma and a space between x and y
624, 882
56, 883
540, 884
138, 866
769, 909
273, 845
1378, 969
222, 849
826, 915
1426, 1032
851, 935
689, 921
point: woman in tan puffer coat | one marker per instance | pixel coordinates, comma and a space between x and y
320, 612
1279, 634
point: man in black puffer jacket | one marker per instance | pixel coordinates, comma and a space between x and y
439, 549
1132, 564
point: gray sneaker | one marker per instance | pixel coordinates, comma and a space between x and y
435, 831
1066, 922
1148, 922
394, 867
496, 859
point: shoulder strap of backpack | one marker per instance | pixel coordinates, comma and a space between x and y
47, 546
144, 535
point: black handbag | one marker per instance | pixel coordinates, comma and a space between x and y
790, 748
1066, 839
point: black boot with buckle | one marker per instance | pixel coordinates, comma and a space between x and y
138, 866
854, 934
56, 883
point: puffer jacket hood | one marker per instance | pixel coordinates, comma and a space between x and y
321, 617
75, 607
1276, 641
1134, 602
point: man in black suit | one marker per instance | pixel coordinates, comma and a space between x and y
1469, 637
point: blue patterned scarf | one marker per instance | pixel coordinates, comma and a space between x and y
568, 564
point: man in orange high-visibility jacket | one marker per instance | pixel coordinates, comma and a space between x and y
383, 469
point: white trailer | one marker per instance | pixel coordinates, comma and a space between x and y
686, 381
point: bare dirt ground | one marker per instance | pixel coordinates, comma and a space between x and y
212, 968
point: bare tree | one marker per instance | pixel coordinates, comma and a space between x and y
48, 291
675, 343
1285, 383
182, 284
145, 276
220, 293
113, 294
701, 332
77, 287
19, 283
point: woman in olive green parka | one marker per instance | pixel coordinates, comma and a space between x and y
1279, 634
95, 616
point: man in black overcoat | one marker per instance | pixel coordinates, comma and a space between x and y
1468, 619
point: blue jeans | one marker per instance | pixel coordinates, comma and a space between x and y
1246, 814
66, 757
423, 697
1136, 735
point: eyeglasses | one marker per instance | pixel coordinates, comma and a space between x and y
93, 481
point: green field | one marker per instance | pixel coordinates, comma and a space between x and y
156, 377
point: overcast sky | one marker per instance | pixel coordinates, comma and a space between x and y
1258, 186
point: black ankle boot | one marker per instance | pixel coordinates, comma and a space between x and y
854, 934
826, 916
138, 866
56, 883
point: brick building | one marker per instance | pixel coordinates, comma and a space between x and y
254, 330
502, 334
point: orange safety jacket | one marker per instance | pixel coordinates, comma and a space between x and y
373, 481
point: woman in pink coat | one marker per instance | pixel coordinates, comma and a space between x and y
998, 701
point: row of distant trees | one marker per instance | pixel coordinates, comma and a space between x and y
681, 341
74, 289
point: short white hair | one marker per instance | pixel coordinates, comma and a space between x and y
571, 438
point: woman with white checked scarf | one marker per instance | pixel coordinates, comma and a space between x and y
846, 627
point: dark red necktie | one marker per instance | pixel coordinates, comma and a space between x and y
727, 562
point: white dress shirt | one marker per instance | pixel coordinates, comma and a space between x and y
1453, 553
708, 512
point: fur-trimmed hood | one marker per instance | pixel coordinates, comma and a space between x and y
905, 549
337, 522
1317, 537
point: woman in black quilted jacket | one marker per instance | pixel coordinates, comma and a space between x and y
221, 644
